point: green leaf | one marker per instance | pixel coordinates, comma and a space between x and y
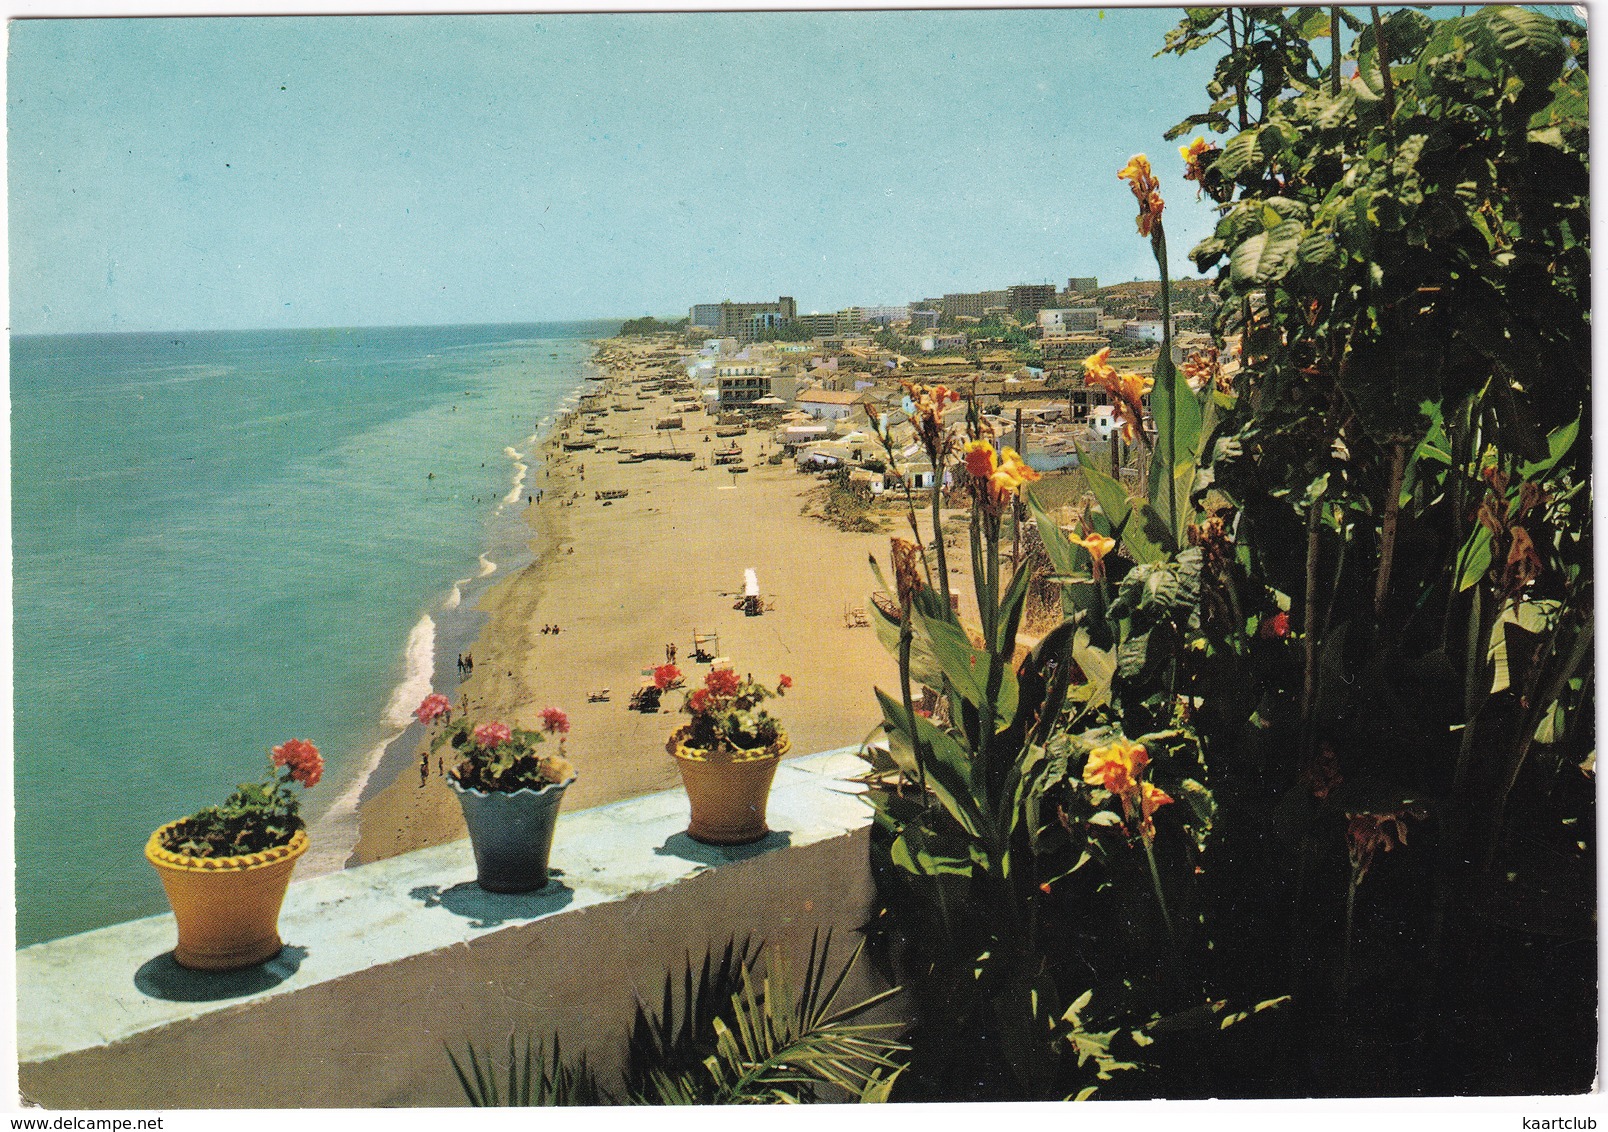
1239, 154
1117, 506
949, 769
970, 671
1099, 666
1474, 558
910, 853
1266, 257
1559, 441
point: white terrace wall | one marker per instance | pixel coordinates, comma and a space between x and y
388, 964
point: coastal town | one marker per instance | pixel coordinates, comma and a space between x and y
814, 380
715, 491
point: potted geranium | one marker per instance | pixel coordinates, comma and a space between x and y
226, 868
509, 789
728, 754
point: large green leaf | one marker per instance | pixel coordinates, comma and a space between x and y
1266, 257
911, 852
1559, 441
1177, 413
970, 671
949, 770
1118, 507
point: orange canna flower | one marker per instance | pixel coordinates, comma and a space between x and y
1117, 767
1151, 799
1138, 175
1145, 190
980, 460
1129, 407
1194, 155
1098, 370
1009, 476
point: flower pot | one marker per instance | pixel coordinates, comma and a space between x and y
728, 790
512, 833
227, 908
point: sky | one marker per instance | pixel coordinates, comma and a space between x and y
235, 173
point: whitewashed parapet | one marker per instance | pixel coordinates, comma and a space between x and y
387, 963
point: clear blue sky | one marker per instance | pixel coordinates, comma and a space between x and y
279, 172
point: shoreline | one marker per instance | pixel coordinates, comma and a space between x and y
455, 622
624, 579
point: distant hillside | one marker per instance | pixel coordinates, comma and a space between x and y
1125, 300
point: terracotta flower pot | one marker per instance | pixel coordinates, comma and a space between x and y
728, 790
227, 908
512, 833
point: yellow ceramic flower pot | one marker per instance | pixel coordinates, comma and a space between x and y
728, 790
227, 908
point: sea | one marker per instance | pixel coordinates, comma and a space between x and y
224, 540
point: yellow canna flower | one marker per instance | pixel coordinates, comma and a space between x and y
1098, 370
1117, 767
1193, 154
1097, 544
979, 455
1137, 173
1145, 190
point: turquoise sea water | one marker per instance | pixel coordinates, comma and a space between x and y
225, 540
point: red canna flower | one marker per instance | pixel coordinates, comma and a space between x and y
1274, 628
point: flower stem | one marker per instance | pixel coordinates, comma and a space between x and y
1161, 899
1345, 950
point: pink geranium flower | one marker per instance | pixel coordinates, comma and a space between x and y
555, 720
305, 763
489, 735
434, 704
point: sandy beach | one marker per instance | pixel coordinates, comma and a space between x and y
625, 578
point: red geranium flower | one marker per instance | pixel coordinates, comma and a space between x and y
306, 765
665, 675
555, 720
785, 682
699, 700
491, 734
722, 682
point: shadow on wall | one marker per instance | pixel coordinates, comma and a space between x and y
684, 847
163, 978
493, 909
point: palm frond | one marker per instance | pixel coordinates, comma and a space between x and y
777, 1046
675, 1039
533, 1078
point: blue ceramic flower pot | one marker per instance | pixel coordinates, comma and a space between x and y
512, 834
